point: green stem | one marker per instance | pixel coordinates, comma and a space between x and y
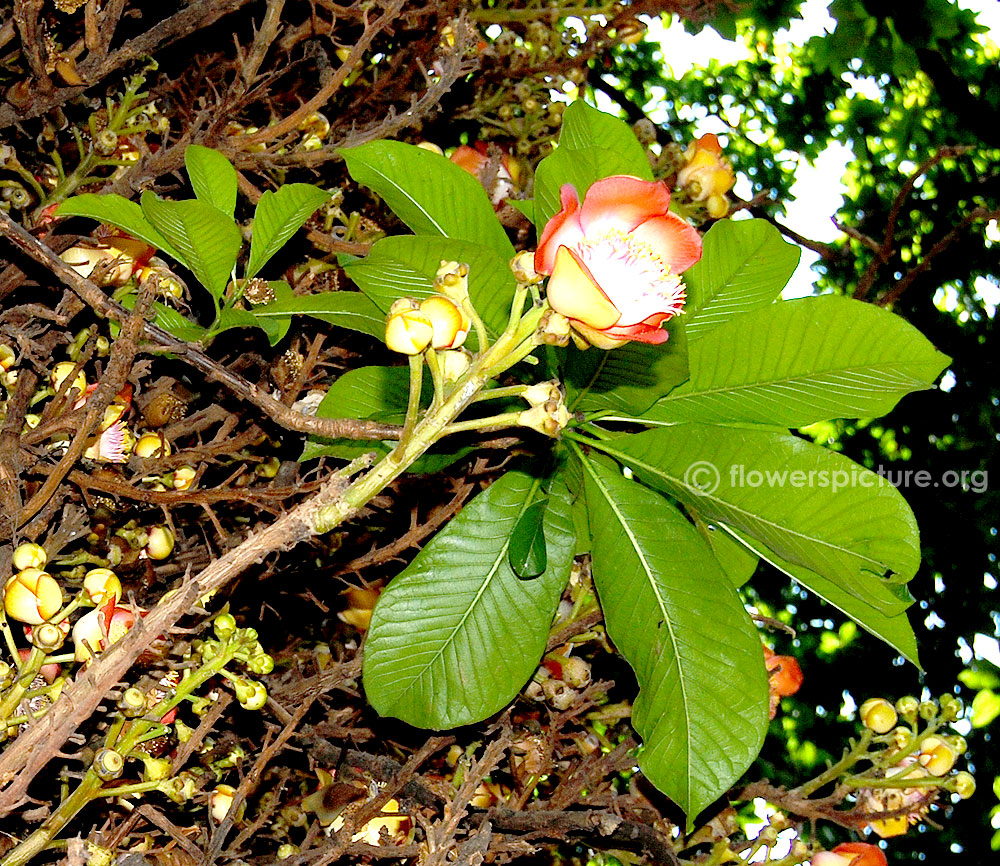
437, 375
413, 402
494, 422
499, 393
27, 673
842, 766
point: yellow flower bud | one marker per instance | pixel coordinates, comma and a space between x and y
547, 418
152, 445
30, 555
523, 266
100, 584
32, 596
429, 145
64, 369
7, 357
408, 330
183, 477
449, 321
879, 715
965, 784
454, 363
161, 543
221, 801
936, 756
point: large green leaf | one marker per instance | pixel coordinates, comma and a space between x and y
345, 309
213, 177
429, 193
798, 362
680, 623
580, 168
895, 630
172, 321
737, 561
275, 326
629, 379
584, 126
405, 267
208, 239
278, 216
811, 506
744, 265
376, 393
121, 213
457, 634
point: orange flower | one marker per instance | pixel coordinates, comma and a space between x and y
784, 677
475, 160
707, 176
100, 628
615, 261
851, 854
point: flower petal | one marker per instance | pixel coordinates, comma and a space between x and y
598, 339
563, 229
622, 202
642, 332
573, 292
677, 243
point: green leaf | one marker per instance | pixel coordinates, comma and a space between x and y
985, 708
212, 176
580, 168
584, 127
209, 240
172, 321
737, 561
113, 210
527, 554
345, 309
797, 362
278, 216
405, 267
744, 265
429, 193
526, 207
894, 630
439, 650
374, 393
679, 622
810, 506
629, 379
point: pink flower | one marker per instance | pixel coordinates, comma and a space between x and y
103, 626
615, 261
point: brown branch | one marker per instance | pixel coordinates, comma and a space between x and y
927, 260
885, 250
24, 759
284, 416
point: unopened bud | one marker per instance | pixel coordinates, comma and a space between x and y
879, 715
29, 555
100, 584
936, 756
407, 329
152, 445
161, 543
907, 707
108, 764
523, 266
964, 784
450, 323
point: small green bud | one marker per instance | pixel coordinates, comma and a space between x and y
907, 707
132, 703
224, 626
928, 710
287, 850
963, 784
261, 664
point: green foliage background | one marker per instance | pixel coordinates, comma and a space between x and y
939, 85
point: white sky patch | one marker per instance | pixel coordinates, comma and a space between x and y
987, 14
986, 647
989, 294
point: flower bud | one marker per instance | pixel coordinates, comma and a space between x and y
452, 281
936, 756
429, 145
261, 664
907, 707
161, 543
928, 710
155, 769
47, 637
549, 418
707, 175
964, 784
224, 625
454, 363
183, 477
287, 850
449, 322
32, 596
64, 369
152, 445
542, 392
108, 764
132, 703
879, 715
407, 329
257, 697
30, 555
523, 266
101, 584
7, 357
221, 801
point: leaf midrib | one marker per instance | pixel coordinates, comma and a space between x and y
663, 610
